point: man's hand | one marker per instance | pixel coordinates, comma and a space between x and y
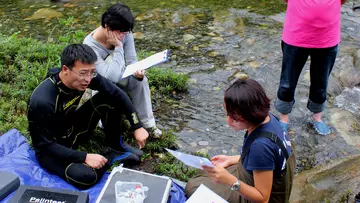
95, 161
141, 135
114, 38
139, 74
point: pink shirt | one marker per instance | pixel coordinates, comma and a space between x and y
312, 23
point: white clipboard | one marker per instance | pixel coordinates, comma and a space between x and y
146, 63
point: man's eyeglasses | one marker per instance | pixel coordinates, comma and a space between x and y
84, 74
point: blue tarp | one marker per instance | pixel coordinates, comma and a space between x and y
17, 157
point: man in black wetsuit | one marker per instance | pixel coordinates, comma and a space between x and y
57, 125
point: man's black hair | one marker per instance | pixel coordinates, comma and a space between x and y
77, 52
118, 17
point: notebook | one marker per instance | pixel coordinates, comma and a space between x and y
204, 195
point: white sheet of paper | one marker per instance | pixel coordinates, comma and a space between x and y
191, 160
204, 195
146, 63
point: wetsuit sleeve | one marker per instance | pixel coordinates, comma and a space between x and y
118, 98
42, 127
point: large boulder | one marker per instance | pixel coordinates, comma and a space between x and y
337, 182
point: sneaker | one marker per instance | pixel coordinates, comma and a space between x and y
126, 158
284, 126
128, 148
154, 132
320, 127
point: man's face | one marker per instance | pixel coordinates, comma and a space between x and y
80, 76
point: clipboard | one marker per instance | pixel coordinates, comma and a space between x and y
150, 61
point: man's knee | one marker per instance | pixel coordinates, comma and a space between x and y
81, 176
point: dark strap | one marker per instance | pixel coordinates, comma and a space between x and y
271, 136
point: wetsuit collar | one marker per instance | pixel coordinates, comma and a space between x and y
62, 87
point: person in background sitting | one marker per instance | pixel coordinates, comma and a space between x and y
114, 46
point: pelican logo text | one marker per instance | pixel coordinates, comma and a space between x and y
70, 102
43, 200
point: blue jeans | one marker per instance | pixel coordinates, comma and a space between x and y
294, 59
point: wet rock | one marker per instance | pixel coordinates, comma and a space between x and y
349, 100
187, 20
144, 16
254, 64
217, 88
174, 45
346, 73
195, 48
86, 13
357, 60
250, 41
183, 19
241, 76
70, 5
203, 143
176, 18
173, 57
45, 13
213, 53
193, 144
218, 39
330, 182
306, 76
346, 124
211, 34
138, 35
188, 37
203, 151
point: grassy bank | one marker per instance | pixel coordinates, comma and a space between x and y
23, 65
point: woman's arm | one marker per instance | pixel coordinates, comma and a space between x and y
235, 159
263, 184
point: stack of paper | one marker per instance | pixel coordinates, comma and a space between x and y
204, 195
